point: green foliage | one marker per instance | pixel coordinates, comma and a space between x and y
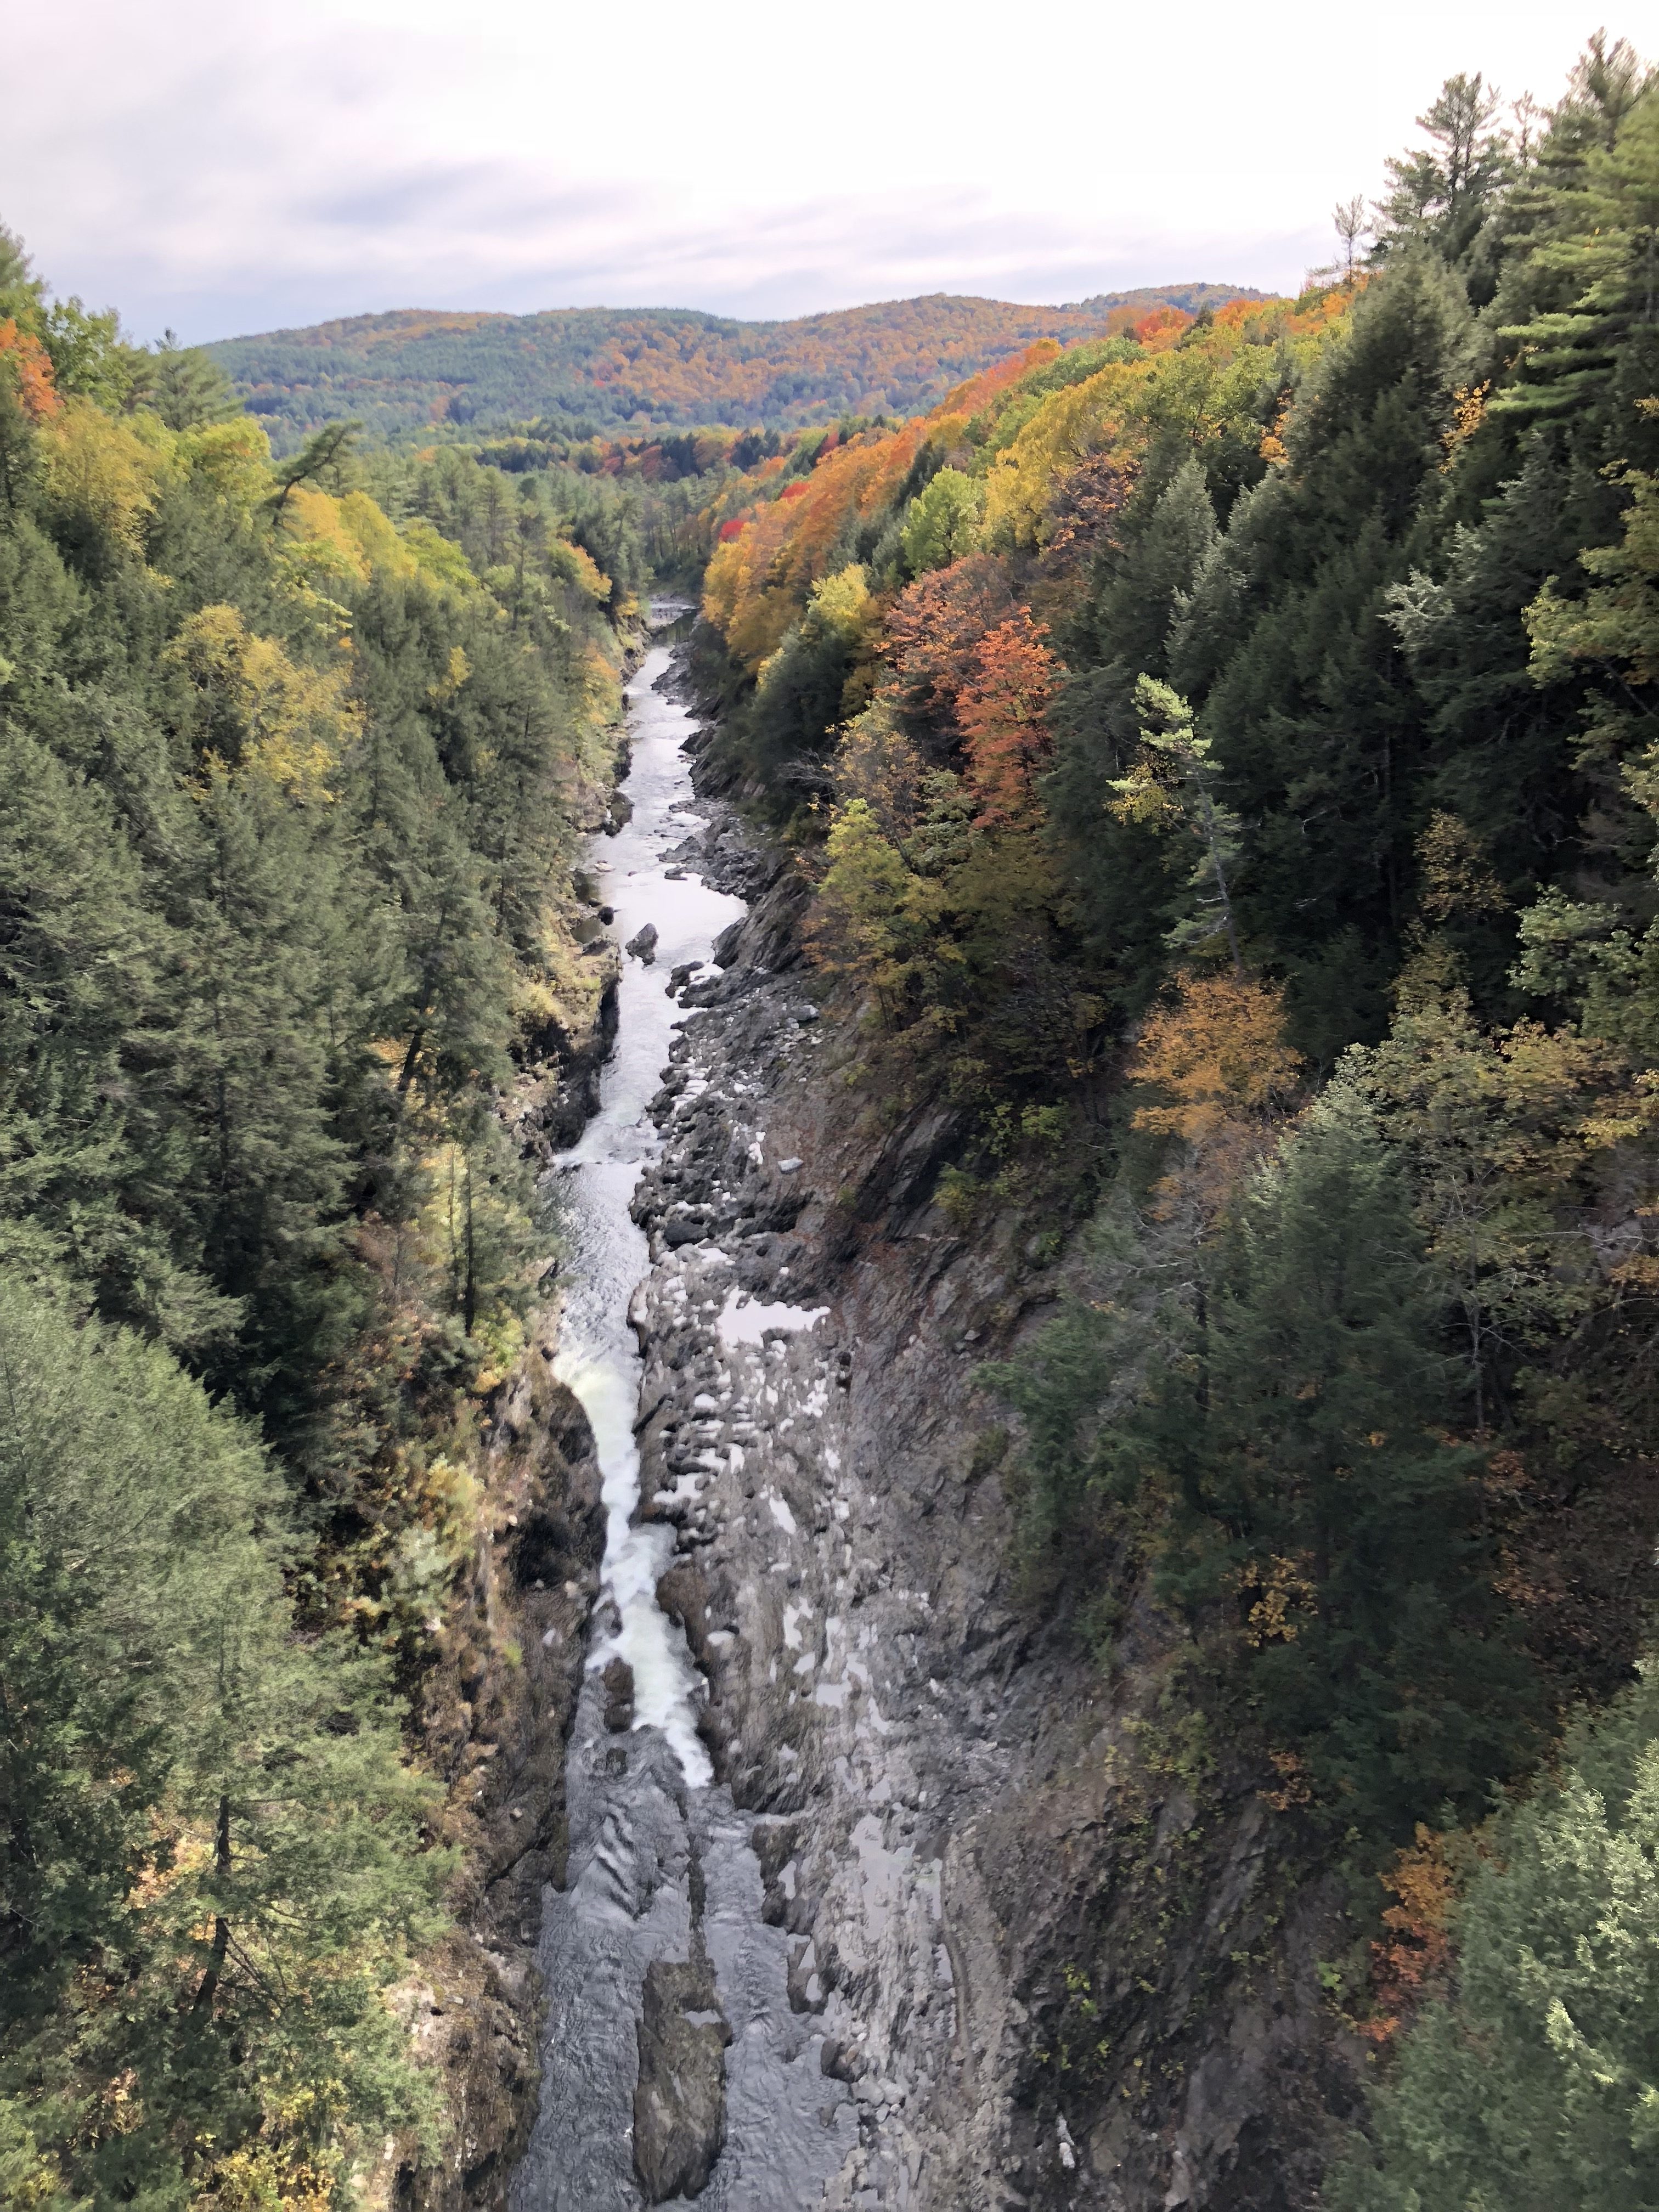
1613, 628
210, 1862
859, 924
1319, 732
681, 367
1276, 1415
1590, 342
1534, 2085
1496, 754
943, 522
1500, 1132
1127, 881
1357, 594
809, 685
287, 787
187, 388
1141, 585
87, 354
1175, 778
273, 909
21, 290
1444, 193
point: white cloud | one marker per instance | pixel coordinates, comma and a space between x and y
229, 168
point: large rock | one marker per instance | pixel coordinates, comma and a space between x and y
617, 1681
680, 2105
643, 946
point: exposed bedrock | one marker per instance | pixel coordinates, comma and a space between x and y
497, 1709
1047, 1964
679, 2105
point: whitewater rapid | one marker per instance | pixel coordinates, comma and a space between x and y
661, 1867
605, 1254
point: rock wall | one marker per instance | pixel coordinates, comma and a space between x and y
498, 1700
1063, 1953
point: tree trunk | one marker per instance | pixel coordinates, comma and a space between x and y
216, 1967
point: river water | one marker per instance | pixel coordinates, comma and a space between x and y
659, 1860
605, 1253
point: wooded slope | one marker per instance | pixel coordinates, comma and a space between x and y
1228, 755
663, 366
293, 766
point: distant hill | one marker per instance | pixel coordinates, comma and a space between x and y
653, 368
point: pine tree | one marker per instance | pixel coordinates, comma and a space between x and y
1313, 714
210, 1860
187, 387
1501, 752
1322, 1462
1143, 586
1279, 1394
1535, 2084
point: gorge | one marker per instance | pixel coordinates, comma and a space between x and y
829, 1248
800, 1953
654, 1953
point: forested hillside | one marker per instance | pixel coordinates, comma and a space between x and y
293, 768
1218, 743
596, 368
1226, 757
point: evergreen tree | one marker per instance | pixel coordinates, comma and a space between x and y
210, 1860
1321, 1462
1502, 749
187, 387
1282, 1397
1534, 2083
272, 906
1144, 585
1313, 713
1443, 193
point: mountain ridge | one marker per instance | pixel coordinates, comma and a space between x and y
662, 367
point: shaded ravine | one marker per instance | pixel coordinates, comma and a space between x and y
661, 1872
955, 1814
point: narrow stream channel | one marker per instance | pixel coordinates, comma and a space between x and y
605, 1252
660, 1867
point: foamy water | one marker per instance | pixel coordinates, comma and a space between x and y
606, 1253
660, 1859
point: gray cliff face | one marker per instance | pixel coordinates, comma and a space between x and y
497, 1704
1042, 1963
959, 1921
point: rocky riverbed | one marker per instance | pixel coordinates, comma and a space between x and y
945, 1924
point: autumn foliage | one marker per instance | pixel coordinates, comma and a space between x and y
1216, 1052
1234, 819
619, 365
1219, 1055
934, 632
1003, 710
1413, 1959
23, 357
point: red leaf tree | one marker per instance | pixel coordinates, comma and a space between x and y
1003, 714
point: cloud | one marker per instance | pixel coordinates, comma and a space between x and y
224, 167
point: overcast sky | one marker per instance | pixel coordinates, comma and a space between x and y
221, 167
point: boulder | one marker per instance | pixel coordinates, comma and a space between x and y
679, 2105
617, 1683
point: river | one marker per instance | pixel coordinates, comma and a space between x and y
661, 1868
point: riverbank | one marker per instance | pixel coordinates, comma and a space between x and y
847, 1970
956, 1815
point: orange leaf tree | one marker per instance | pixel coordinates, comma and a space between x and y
1004, 712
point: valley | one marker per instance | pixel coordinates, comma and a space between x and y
829, 1237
